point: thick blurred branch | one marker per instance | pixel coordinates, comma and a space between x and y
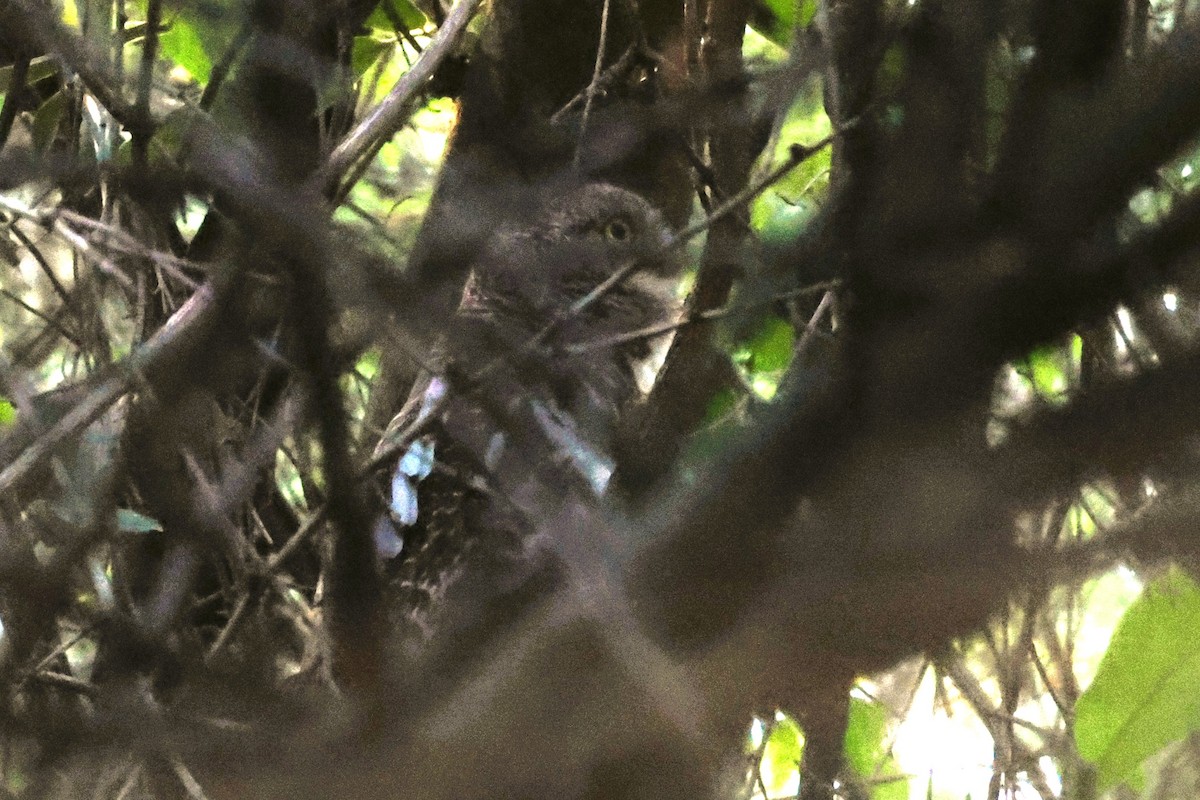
861, 518
696, 370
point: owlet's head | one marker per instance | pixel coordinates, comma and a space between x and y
578, 239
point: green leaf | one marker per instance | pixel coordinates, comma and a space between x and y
722, 403
805, 123
770, 349
39, 68
288, 481
892, 788
778, 220
368, 364
1144, 695
865, 736
184, 45
46, 119
8, 413
1149, 205
777, 19
403, 10
365, 52
70, 13
866, 750
130, 521
1050, 369
780, 767
765, 355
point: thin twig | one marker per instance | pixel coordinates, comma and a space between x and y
99, 234
50, 321
1063, 709
33, 24
298, 538
188, 781
651, 331
62, 647
593, 84
391, 114
43, 264
69, 682
105, 233
216, 77
235, 619
810, 330
797, 155
158, 347
605, 80
131, 780
92, 254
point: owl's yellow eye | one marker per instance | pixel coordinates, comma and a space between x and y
617, 230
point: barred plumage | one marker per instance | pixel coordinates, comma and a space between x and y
452, 493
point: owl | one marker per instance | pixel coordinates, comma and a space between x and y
455, 491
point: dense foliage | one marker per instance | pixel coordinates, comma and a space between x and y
923, 440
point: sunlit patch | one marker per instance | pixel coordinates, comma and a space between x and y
1051, 775
80, 653
947, 743
1186, 172
765, 387
1125, 321
1120, 346
1171, 301
102, 583
779, 746
756, 731
179, 74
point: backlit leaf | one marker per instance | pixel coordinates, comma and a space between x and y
780, 768
184, 45
39, 68
46, 119
778, 19
365, 51
770, 350
1144, 695
866, 750
403, 10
